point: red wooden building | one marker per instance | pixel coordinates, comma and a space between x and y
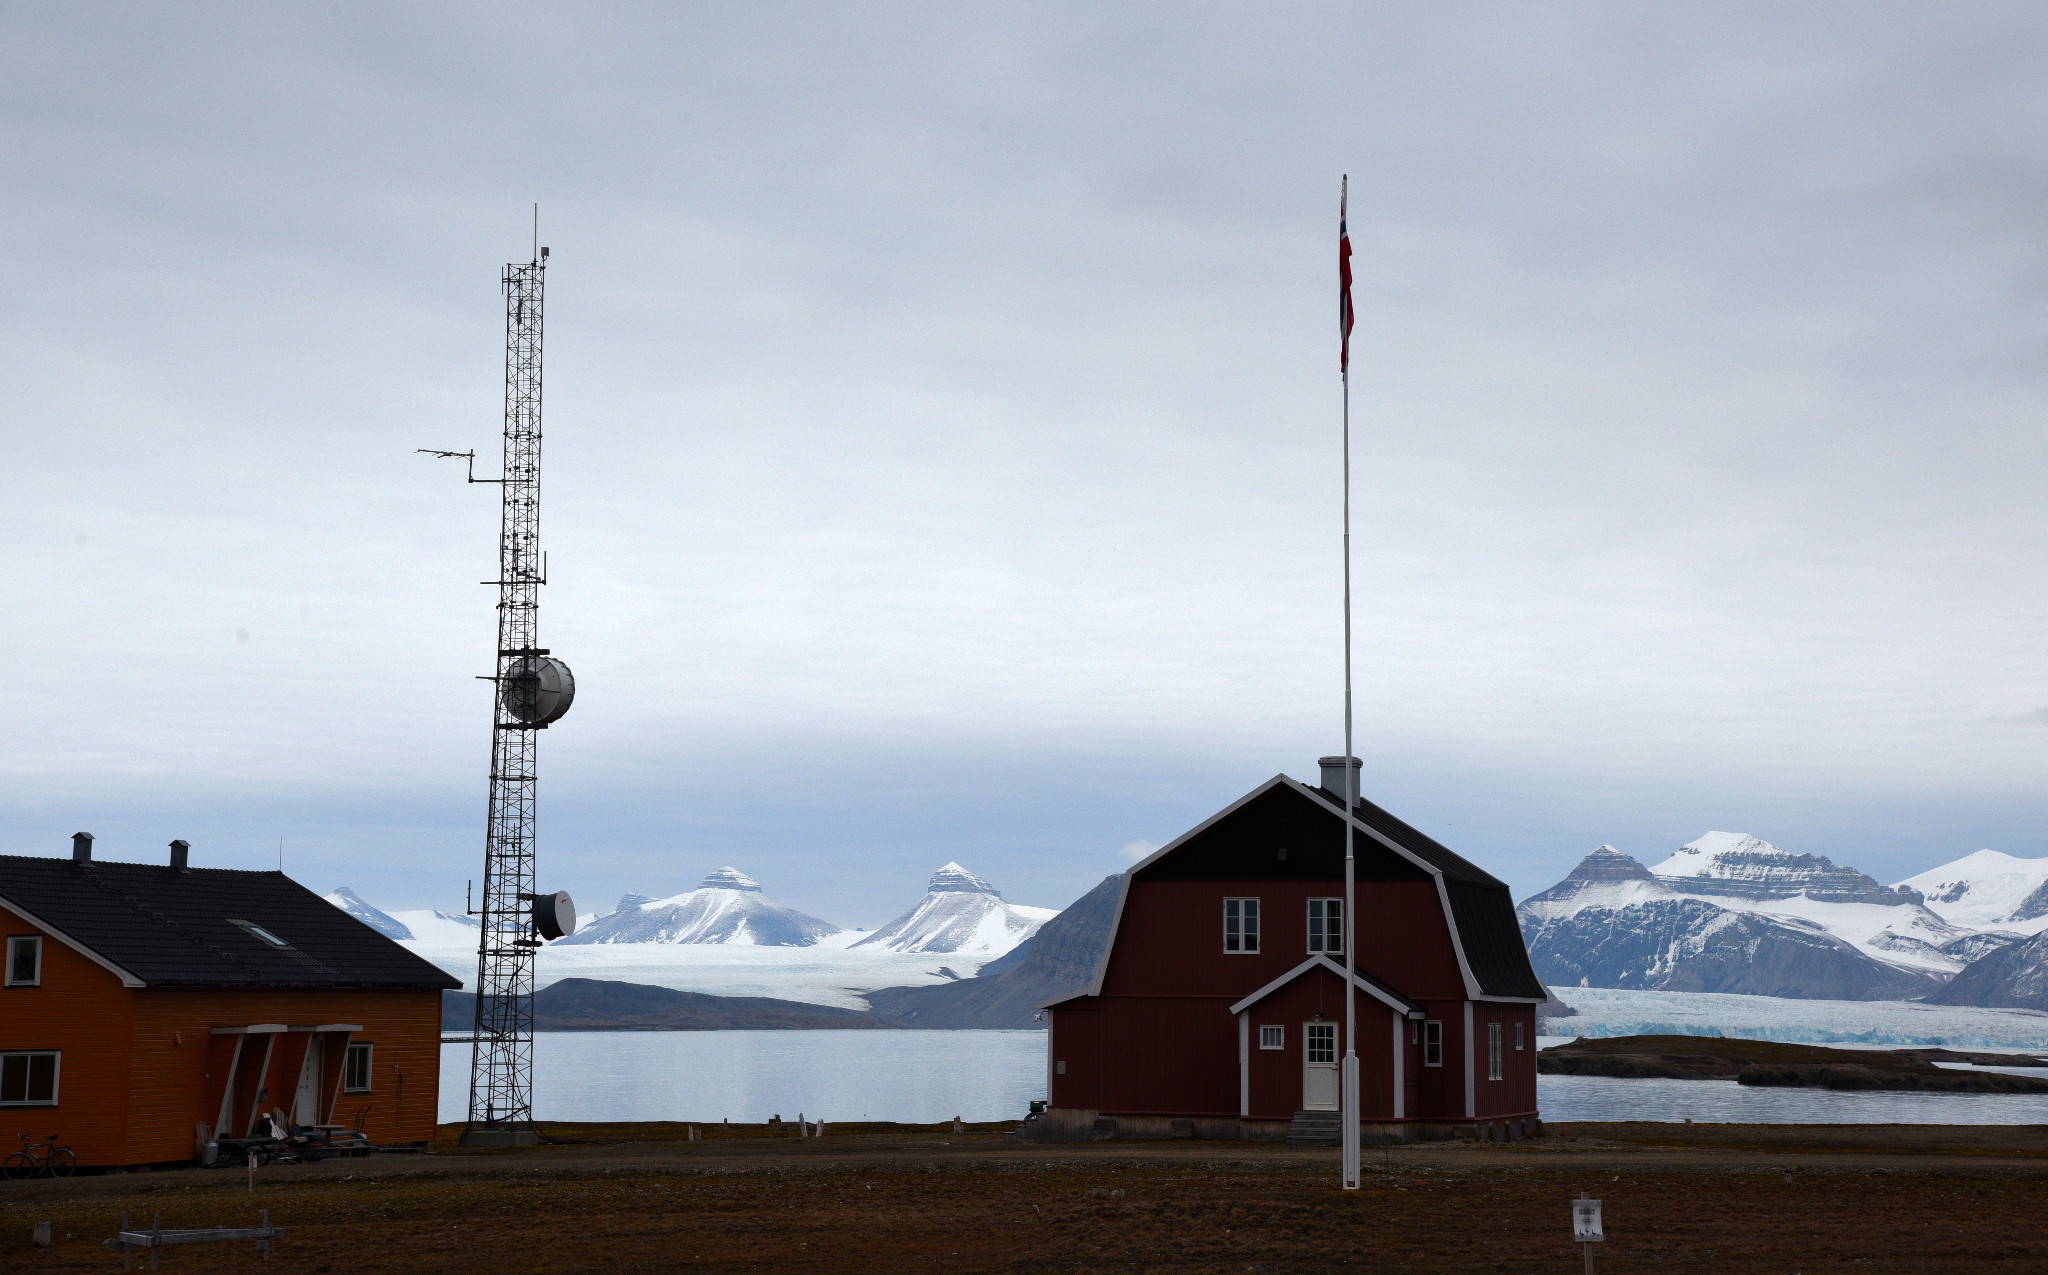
144, 1003
1218, 1007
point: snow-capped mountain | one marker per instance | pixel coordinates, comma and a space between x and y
1735, 863
1988, 891
1615, 923
729, 907
352, 903
2013, 976
960, 913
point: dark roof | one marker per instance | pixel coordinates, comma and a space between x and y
1244, 845
178, 929
1455, 867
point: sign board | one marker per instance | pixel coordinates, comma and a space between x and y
1586, 1221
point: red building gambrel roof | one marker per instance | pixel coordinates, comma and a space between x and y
1244, 842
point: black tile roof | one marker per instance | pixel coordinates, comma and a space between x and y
1484, 911
178, 929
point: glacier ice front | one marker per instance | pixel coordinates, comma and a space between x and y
1606, 1011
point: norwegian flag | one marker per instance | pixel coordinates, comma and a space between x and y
1345, 317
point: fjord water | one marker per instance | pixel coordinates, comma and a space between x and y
916, 1077
920, 1077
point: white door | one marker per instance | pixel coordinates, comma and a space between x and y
1319, 1067
306, 1106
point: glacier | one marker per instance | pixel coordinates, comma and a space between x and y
1603, 1011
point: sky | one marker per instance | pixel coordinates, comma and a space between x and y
943, 431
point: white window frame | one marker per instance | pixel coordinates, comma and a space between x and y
1319, 929
1518, 1035
1309, 1031
1272, 1036
36, 941
56, 1077
1241, 926
1493, 1071
1432, 1042
369, 1049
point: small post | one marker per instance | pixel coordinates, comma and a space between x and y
252, 1173
1586, 1226
264, 1243
156, 1235
127, 1254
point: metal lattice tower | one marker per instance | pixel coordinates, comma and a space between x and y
501, 1067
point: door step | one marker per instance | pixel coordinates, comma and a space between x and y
1316, 1129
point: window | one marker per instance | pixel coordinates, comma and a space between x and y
29, 1079
355, 1068
259, 932
1433, 1043
1272, 1036
1518, 1035
1322, 1043
1326, 926
1493, 1051
1240, 925
24, 960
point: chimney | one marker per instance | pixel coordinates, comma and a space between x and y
181, 852
81, 847
1333, 775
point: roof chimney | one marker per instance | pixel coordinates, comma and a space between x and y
81, 847
181, 853
1333, 775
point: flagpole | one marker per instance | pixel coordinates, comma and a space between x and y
1349, 1099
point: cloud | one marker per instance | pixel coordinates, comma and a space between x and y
1136, 850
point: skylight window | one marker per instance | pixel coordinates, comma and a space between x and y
259, 932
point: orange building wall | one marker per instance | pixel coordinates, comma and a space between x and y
84, 1011
173, 1087
138, 1065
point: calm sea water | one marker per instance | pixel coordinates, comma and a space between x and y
926, 1076
912, 1076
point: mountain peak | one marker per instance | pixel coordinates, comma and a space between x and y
1606, 863
1738, 864
954, 879
631, 900
353, 904
730, 878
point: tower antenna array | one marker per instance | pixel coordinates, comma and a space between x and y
533, 690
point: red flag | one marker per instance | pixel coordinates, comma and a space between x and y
1345, 317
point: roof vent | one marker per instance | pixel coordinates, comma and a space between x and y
81, 847
181, 854
1333, 774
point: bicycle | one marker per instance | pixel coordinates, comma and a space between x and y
55, 1162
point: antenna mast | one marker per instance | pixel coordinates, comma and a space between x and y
532, 691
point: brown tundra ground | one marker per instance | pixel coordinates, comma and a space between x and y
882, 1199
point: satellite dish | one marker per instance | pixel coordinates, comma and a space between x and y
538, 689
554, 915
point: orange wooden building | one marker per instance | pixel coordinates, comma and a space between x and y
144, 1006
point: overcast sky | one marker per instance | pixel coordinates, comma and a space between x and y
943, 420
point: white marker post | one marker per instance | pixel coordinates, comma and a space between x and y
1586, 1226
